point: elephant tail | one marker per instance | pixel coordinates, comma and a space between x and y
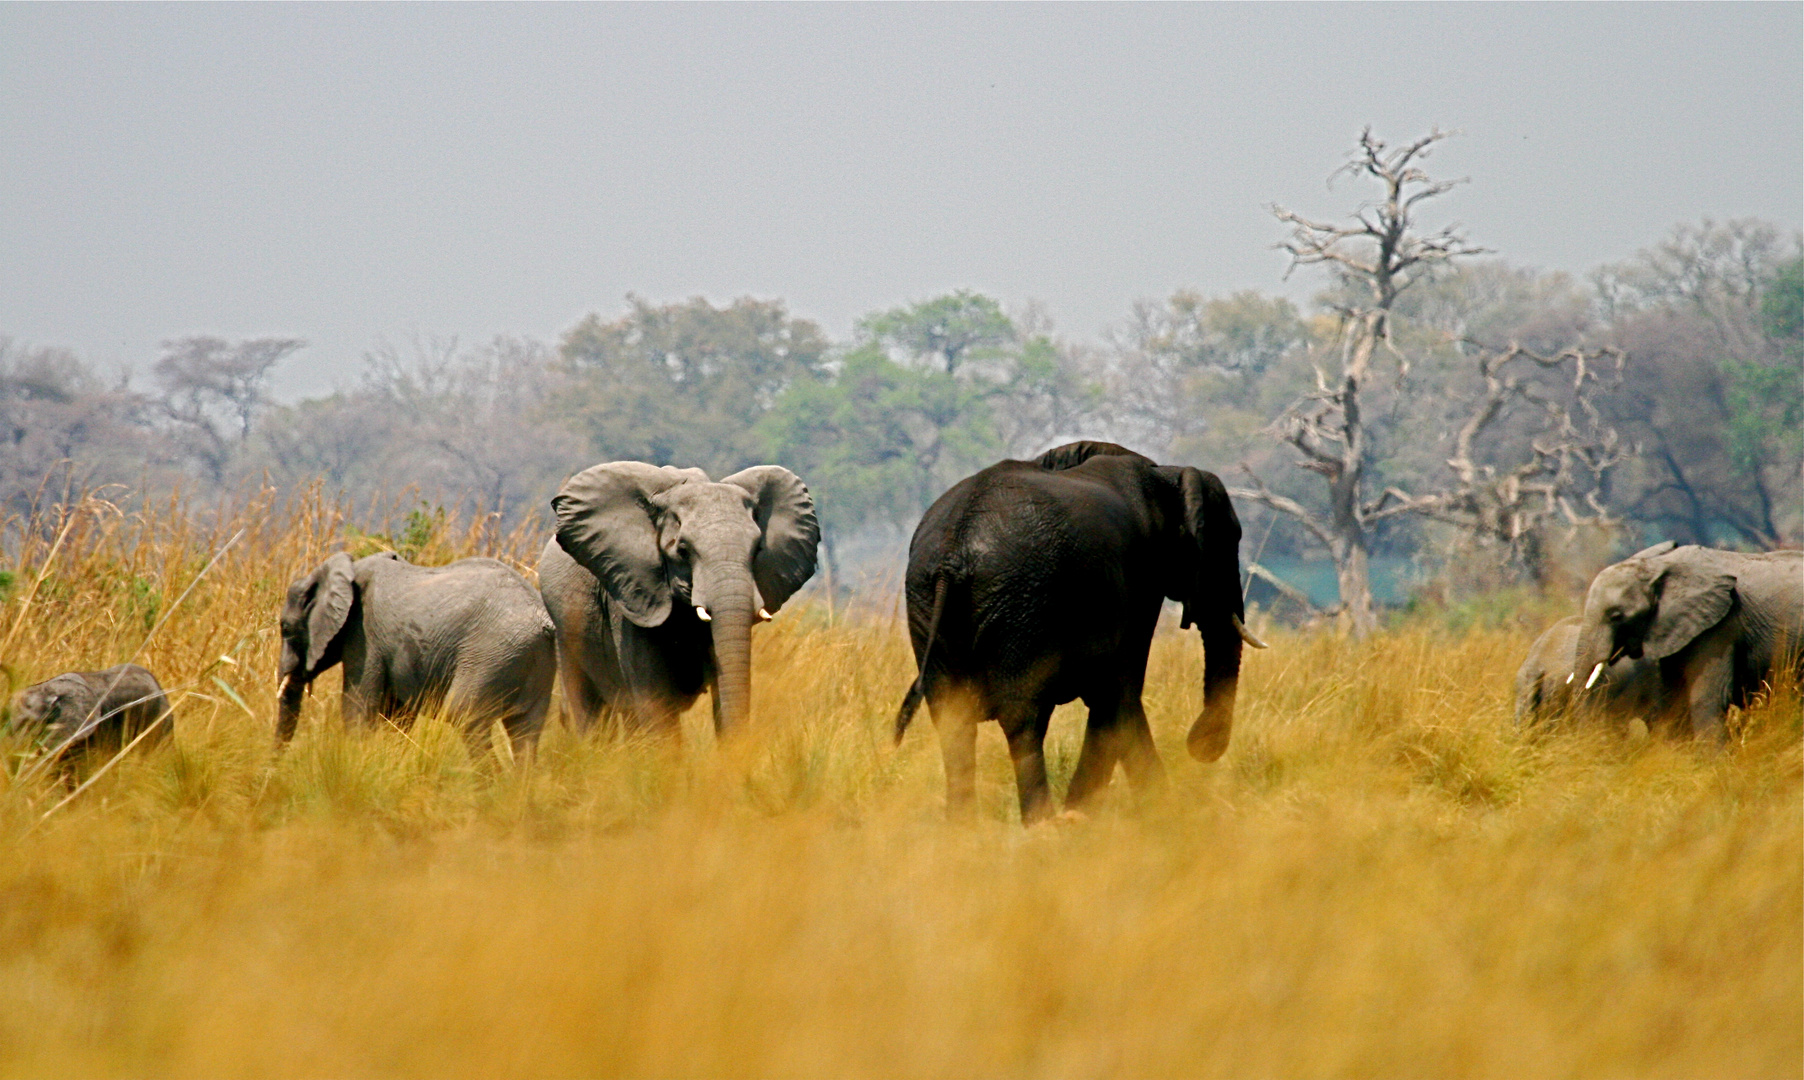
918, 689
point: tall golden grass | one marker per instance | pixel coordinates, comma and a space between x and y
1381, 878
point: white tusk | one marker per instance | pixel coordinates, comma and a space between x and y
1571, 676
1595, 672
702, 614
1247, 635
764, 615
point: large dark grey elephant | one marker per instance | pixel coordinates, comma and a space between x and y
79, 710
655, 579
1033, 583
470, 636
1718, 624
1549, 683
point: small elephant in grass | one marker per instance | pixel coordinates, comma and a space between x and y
1032, 583
470, 636
1549, 683
1719, 624
656, 577
91, 710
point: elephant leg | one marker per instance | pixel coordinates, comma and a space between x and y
956, 723
359, 706
1101, 750
582, 698
1138, 755
1025, 726
1709, 683
523, 728
527, 719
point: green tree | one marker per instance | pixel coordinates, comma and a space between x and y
1766, 392
879, 440
684, 384
947, 331
928, 393
1712, 398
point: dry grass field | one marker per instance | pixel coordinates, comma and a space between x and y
1382, 877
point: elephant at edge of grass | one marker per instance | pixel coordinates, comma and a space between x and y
1719, 624
1034, 583
470, 637
1548, 684
82, 710
655, 579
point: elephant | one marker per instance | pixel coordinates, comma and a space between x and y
470, 636
1034, 583
1717, 623
83, 710
1548, 681
655, 578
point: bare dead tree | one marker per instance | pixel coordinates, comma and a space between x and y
1378, 256
1556, 478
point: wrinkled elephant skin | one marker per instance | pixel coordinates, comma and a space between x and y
1034, 583
1719, 624
471, 637
655, 579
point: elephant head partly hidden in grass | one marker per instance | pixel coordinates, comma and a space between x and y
1719, 624
656, 577
1549, 684
82, 710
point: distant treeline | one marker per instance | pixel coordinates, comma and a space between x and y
1708, 406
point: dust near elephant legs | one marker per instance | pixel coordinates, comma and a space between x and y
1116, 731
957, 731
1025, 727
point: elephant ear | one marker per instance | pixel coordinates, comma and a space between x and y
1211, 529
785, 514
1691, 600
326, 616
605, 522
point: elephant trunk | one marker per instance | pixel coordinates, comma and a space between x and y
732, 606
1593, 657
1208, 738
288, 706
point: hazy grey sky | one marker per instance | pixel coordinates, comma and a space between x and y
344, 173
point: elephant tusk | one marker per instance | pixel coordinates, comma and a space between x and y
1247, 635
1571, 675
702, 614
1595, 672
764, 615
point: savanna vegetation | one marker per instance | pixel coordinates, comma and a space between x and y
1693, 438
1382, 877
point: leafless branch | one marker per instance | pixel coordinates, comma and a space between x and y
1270, 499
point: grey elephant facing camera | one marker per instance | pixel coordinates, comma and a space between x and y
656, 577
93, 709
470, 636
1719, 624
